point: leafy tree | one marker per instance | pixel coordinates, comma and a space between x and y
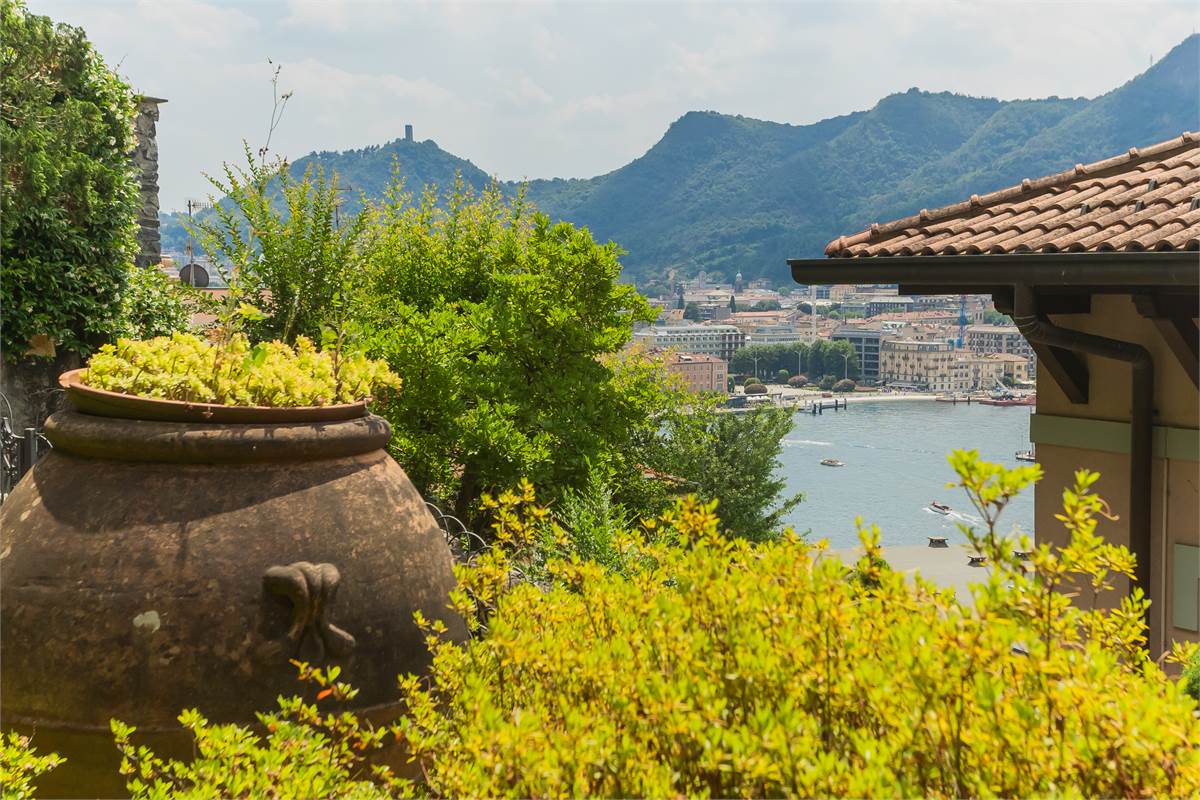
766, 305
734, 460
827, 382
820, 357
69, 195
994, 317
506, 329
782, 376
693, 312
732, 304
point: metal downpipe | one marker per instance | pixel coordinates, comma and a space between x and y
1141, 418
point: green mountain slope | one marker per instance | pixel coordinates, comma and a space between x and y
722, 193
366, 171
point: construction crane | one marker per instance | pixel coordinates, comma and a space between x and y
962, 319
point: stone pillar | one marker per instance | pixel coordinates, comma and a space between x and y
145, 158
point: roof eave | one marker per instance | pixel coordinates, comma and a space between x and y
970, 273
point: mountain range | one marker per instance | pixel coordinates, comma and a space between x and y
724, 194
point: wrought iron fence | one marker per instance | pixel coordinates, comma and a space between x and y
18, 451
464, 543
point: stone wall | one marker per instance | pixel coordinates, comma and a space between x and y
145, 158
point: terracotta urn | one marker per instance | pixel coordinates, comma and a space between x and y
149, 566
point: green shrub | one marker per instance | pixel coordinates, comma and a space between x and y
154, 305
827, 382
755, 388
69, 199
721, 667
782, 376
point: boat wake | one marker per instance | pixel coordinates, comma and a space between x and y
806, 442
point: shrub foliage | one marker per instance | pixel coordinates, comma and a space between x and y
720, 667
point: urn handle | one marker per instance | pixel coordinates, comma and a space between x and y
311, 588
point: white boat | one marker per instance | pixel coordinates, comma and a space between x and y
939, 508
831, 462
1025, 455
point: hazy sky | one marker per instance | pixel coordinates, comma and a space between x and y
578, 89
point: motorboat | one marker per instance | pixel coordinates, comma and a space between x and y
831, 462
1025, 455
939, 508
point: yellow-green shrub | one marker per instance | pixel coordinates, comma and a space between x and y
724, 668
719, 667
20, 765
183, 366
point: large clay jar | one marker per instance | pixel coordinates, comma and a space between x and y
147, 567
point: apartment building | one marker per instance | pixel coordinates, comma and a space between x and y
701, 373
996, 339
721, 341
1012, 366
866, 340
913, 364
884, 304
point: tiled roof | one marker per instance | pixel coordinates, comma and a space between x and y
1147, 199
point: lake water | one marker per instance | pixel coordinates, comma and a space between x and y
895, 456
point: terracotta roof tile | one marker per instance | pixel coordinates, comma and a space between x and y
1144, 199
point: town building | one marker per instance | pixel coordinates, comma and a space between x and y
996, 339
866, 339
884, 304
1097, 266
700, 373
921, 365
1012, 366
721, 341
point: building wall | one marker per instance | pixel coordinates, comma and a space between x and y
700, 373
1095, 435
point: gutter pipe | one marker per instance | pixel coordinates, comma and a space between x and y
1025, 316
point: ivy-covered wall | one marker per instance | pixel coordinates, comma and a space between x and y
68, 207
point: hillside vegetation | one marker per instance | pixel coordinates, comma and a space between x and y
726, 193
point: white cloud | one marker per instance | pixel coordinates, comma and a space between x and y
577, 89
